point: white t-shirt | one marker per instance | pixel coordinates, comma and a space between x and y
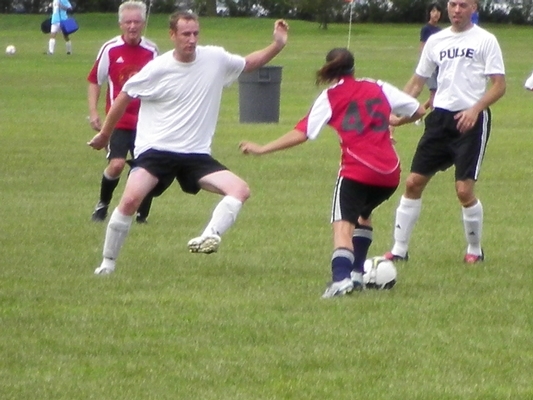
180, 101
465, 60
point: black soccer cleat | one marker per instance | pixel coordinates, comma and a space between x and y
141, 219
100, 212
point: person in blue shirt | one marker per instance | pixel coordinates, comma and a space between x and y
59, 13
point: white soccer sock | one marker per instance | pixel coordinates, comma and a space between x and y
473, 224
51, 46
117, 230
407, 214
69, 46
223, 217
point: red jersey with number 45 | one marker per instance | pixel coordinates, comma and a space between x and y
359, 110
116, 62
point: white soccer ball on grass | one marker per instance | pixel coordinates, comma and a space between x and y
379, 274
10, 50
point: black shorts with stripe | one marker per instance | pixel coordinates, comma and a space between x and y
121, 143
442, 145
352, 199
186, 168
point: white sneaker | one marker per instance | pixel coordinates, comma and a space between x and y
357, 280
103, 271
339, 288
106, 268
204, 244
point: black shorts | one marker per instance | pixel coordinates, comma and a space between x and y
442, 145
121, 143
187, 169
352, 199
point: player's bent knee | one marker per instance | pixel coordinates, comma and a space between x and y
465, 197
242, 193
129, 204
414, 185
115, 167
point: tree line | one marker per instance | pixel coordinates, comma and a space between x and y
321, 11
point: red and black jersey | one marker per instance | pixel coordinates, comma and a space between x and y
359, 111
116, 62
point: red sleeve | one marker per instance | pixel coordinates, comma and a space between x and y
302, 125
92, 75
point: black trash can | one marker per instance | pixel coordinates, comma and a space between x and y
259, 95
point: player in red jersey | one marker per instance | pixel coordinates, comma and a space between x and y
118, 60
359, 110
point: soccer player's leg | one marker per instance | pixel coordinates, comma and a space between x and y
140, 183
216, 178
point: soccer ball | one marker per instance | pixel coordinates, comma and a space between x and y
10, 50
379, 274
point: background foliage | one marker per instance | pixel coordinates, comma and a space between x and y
322, 11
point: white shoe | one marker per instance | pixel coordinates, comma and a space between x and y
106, 268
204, 244
339, 288
104, 271
357, 280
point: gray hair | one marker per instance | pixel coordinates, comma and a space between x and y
132, 5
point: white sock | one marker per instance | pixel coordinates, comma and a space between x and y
117, 230
407, 214
473, 224
69, 46
223, 217
51, 46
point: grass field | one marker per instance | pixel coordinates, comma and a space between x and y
248, 322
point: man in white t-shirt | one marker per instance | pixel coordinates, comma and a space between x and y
180, 93
457, 130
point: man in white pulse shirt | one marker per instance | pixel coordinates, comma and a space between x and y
457, 130
180, 93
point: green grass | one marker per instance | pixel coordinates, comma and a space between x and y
248, 322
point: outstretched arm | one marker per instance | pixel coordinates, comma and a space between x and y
261, 57
290, 139
398, 121
101, 139
415, 85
